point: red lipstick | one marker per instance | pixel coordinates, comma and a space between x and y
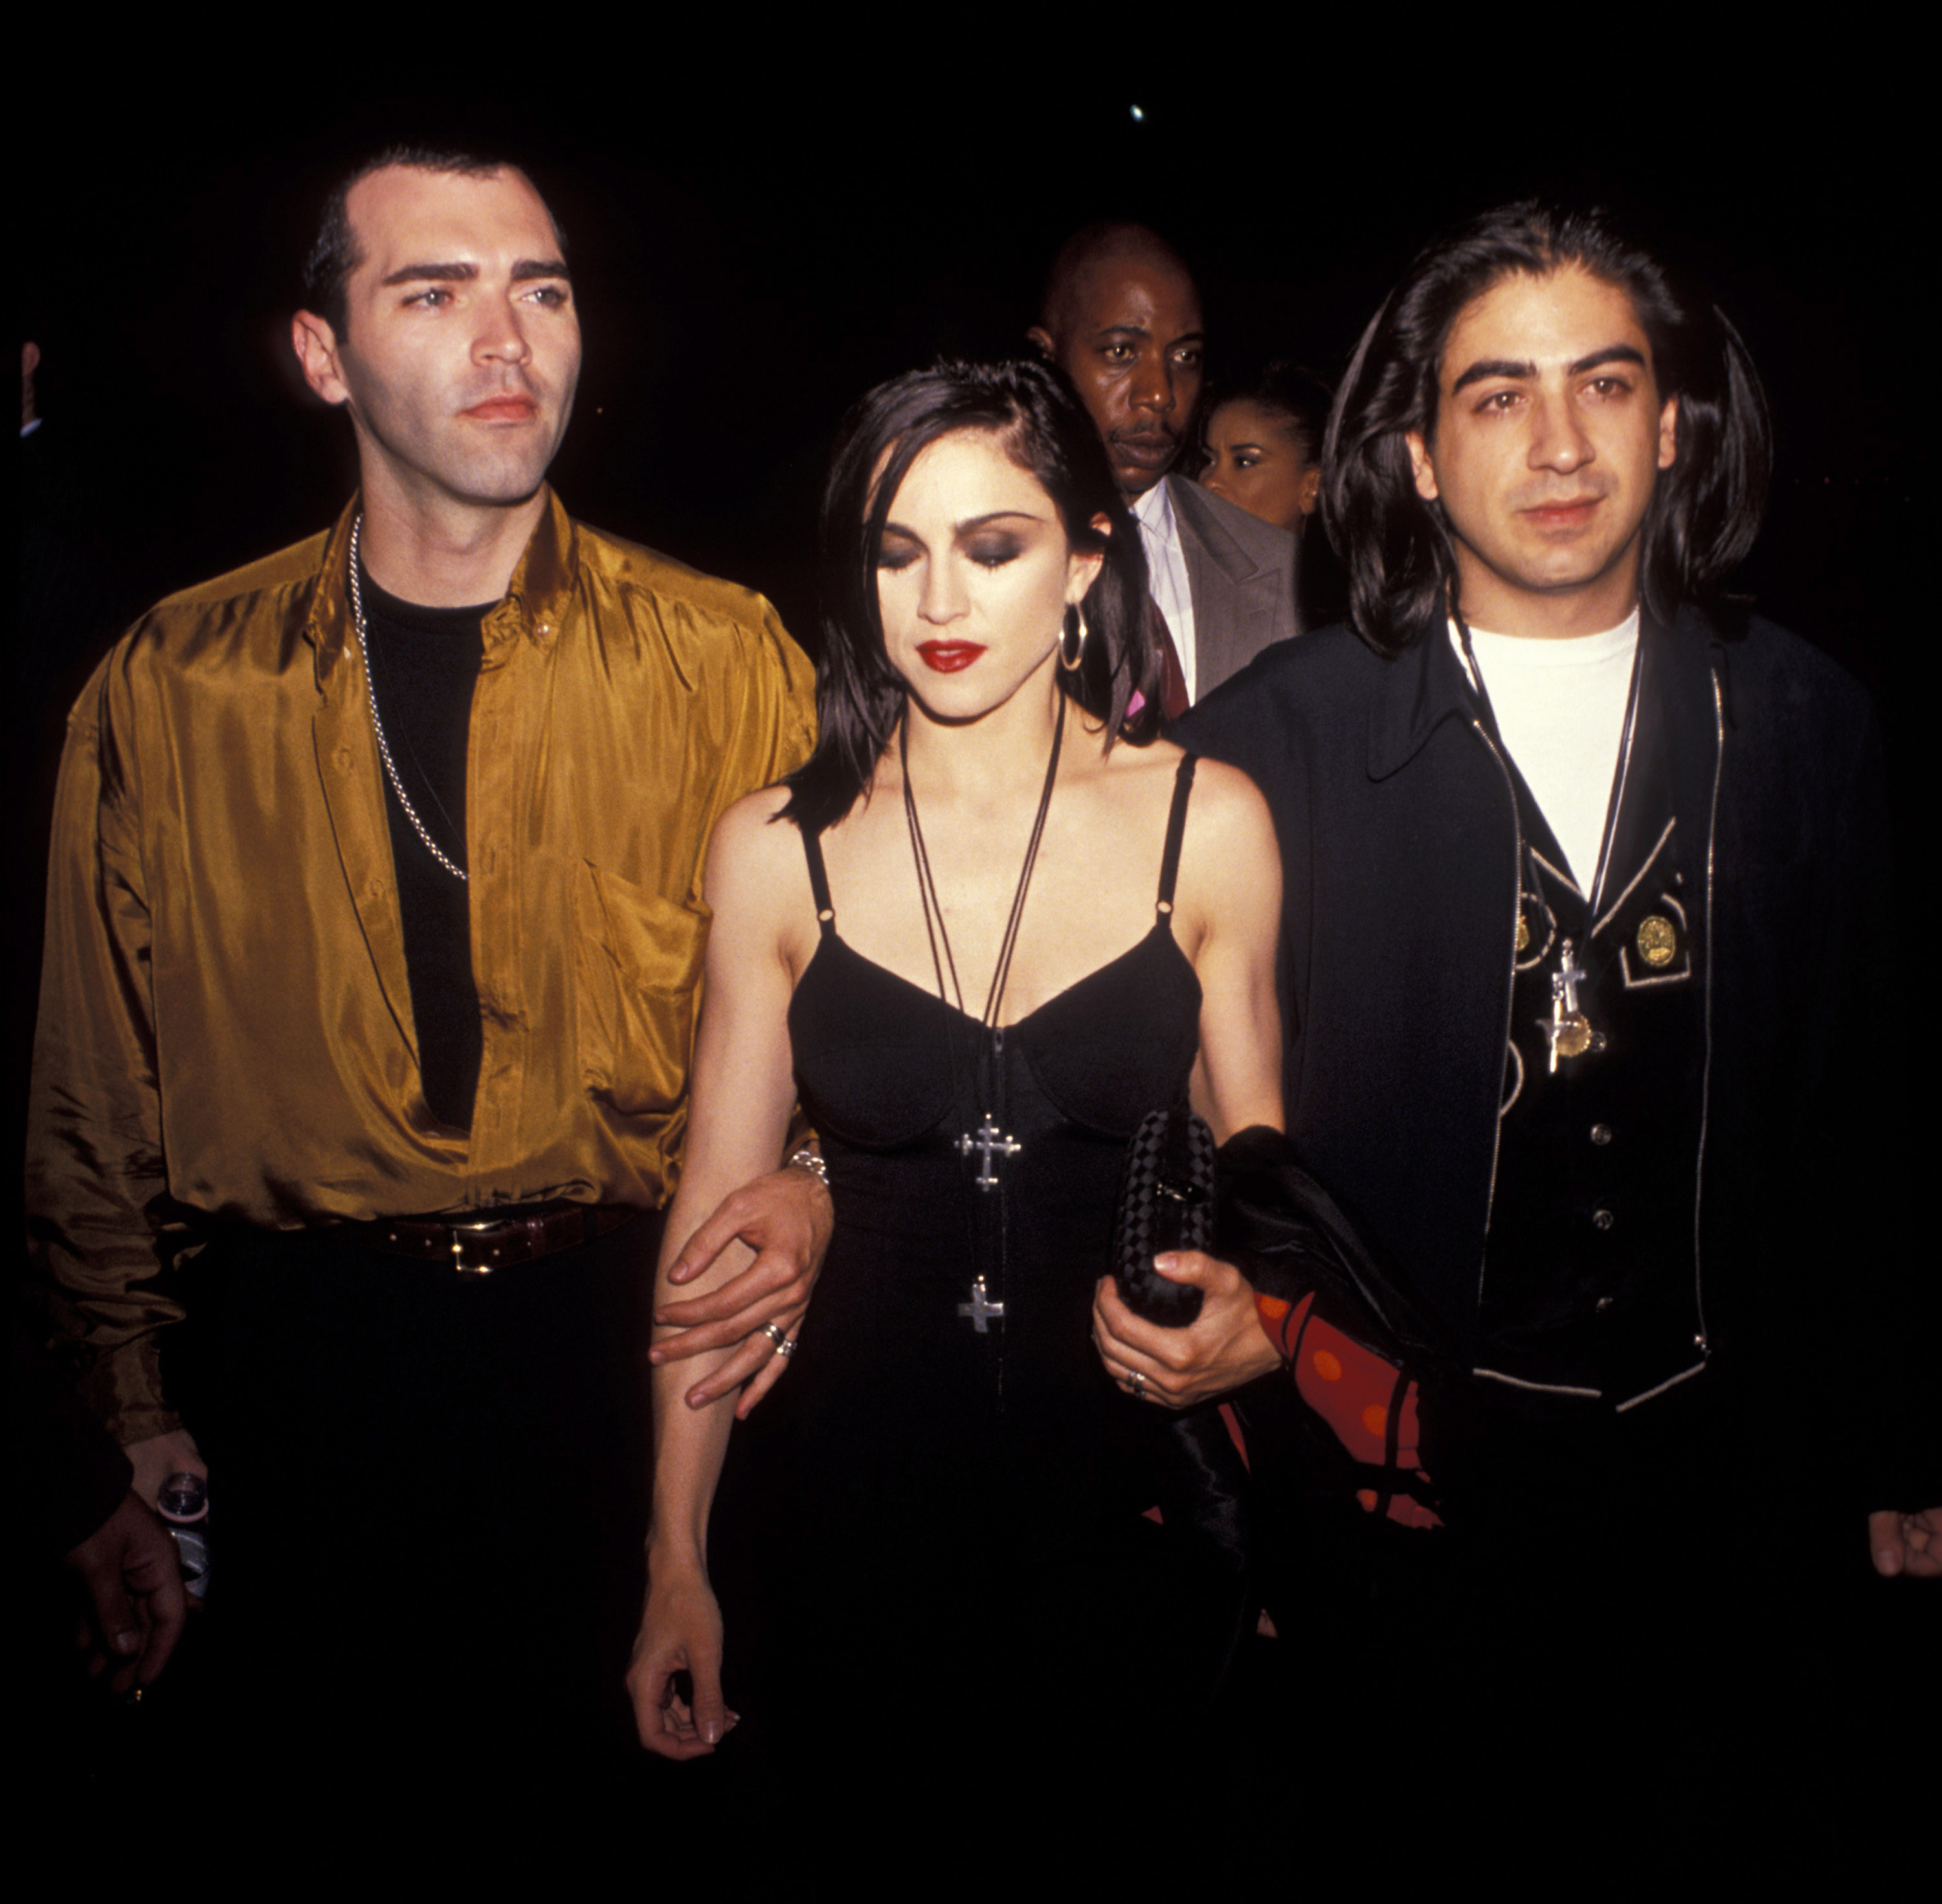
948, 656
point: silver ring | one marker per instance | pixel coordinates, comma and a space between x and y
1139, 1386
773, 1330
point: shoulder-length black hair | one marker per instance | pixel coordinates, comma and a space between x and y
1705, 510
1036, 414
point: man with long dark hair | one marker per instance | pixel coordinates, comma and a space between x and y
374, 938
1587, 891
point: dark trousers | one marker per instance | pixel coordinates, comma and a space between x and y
427, 1504
1630, 1666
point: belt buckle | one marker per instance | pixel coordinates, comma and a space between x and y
459, 1264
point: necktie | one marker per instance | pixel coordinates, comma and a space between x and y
1173, 685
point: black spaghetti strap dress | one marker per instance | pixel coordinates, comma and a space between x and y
937, 1514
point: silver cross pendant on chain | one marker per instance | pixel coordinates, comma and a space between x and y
980, 1308
991, 1144
1567, 1030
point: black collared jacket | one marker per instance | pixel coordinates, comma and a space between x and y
1399, 840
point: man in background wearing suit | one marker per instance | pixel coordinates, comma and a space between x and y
1121, 317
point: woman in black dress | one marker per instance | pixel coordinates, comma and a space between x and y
989, 926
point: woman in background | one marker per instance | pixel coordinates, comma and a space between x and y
1263, 445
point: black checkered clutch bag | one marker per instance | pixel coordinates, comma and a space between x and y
1166, 1202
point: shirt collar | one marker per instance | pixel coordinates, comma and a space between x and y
1154, 512
535, 603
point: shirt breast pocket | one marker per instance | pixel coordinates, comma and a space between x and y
638, 956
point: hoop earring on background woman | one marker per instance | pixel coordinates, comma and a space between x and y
1071, 649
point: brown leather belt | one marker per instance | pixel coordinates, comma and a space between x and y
476, 1246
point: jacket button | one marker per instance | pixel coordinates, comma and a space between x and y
1603, 1303
1601, 1133
1602, 1219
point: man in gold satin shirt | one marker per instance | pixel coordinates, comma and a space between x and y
374, 935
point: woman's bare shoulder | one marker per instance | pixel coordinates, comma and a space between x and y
754, 849
1224, 802
1226, 795
754, 825
1230, 846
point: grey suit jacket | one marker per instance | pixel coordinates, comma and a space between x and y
1242, 572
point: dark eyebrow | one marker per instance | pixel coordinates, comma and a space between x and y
975, 523
1492, 367
1498, 366
527, 267
433, 273
968, 527
1611, 353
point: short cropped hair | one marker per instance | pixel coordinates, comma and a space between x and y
1093, 245
334, 255
1705, 510
1034, 412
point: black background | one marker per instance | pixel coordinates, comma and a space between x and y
759, 233
752, 253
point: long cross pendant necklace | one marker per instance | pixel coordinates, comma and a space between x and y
990, 1143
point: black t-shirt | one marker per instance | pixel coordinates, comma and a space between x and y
423, 664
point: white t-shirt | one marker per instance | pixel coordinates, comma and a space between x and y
1166, 573
1560, 707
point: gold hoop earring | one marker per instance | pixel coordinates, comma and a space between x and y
1071, 649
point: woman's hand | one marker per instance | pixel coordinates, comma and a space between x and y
1223, 1347
680, 1632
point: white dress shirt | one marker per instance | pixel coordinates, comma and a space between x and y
1166, 573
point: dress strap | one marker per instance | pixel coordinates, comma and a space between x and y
818, 880
1176, 828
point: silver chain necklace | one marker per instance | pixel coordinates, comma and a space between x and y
385, 746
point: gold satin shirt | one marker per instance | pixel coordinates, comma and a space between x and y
225, 1030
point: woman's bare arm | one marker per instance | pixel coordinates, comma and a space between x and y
1232, 890
1229, 903
741, 1095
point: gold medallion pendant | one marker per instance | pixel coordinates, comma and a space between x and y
1571, 1035
1657, 939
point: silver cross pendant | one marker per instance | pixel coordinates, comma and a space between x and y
989, 1143
1567, 1030
981, 1309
